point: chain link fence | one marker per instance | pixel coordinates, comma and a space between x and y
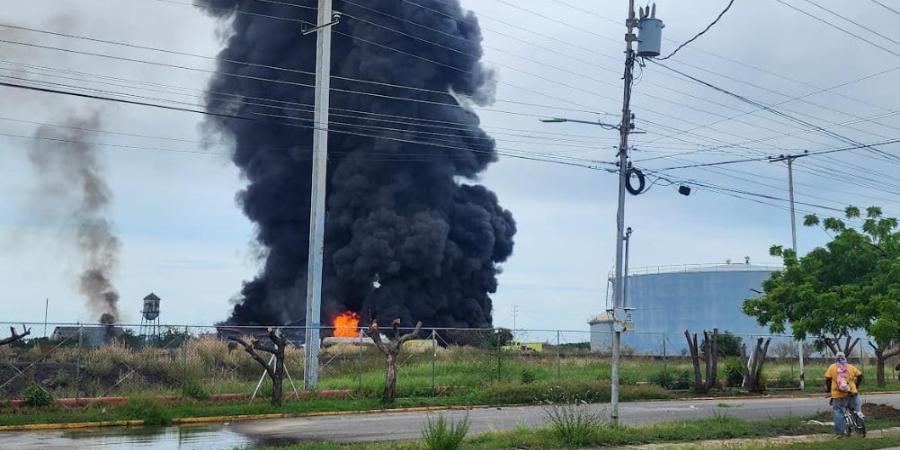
90, 361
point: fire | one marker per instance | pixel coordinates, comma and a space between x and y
346, 324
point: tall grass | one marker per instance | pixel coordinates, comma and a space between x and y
574, 423
479, 373
442, 433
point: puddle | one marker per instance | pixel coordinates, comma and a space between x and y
199, 437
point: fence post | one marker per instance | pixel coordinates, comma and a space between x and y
433, 358
359, 352
498, 354
558, 358
665, 362
78, 363
184, 363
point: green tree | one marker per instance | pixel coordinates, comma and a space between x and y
727, 343
852, 283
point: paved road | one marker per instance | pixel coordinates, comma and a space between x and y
408, 425
371, 427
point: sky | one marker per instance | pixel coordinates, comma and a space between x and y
184, 238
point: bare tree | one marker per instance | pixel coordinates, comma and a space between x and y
752, 366
710, 348
834, 344
15, 337
391, 350
275, 370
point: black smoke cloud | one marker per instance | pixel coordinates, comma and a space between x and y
407, 234
71, 185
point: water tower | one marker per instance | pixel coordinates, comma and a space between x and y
150, 316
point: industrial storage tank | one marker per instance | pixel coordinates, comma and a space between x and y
669, 300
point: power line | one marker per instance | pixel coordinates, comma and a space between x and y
870, 30
381, 128
886, 7
837, 27
285, 81
701, 33
773, 110
294, 83
707, 52
589, 165
738, 161
353, 114
350, 79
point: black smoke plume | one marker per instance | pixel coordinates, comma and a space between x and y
71, 186
407, 234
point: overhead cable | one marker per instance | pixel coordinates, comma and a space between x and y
701, 33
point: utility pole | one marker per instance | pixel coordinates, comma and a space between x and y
649, 46
46, 310
326, 19
790, 164
624, 129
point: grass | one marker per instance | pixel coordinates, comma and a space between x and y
608, 436
208, 362
443, 433
496, 395
458, 376
573, 423
846, 444
828, 444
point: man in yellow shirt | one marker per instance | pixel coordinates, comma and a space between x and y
842, 380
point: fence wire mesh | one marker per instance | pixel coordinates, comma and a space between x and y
87, 361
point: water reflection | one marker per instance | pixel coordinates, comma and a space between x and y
192, 437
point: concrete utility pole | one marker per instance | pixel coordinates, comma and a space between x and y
790, 163
624, 130
625, 127
317, 199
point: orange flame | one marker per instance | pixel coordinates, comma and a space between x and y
346, 325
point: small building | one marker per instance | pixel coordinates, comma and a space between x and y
89, 336
601, 332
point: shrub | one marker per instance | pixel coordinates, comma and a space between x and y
784, 380
150, 411
194, 390
574, 423
442, 433
528, 376
36, 396
734, 372
672, 380
727, 343
683, 379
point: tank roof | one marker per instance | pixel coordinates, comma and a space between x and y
713, 267
601, 318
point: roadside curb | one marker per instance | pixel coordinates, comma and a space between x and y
226, 419
71, 426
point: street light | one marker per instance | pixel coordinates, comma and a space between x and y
588, 122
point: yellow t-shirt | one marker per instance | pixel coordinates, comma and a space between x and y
852, 374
